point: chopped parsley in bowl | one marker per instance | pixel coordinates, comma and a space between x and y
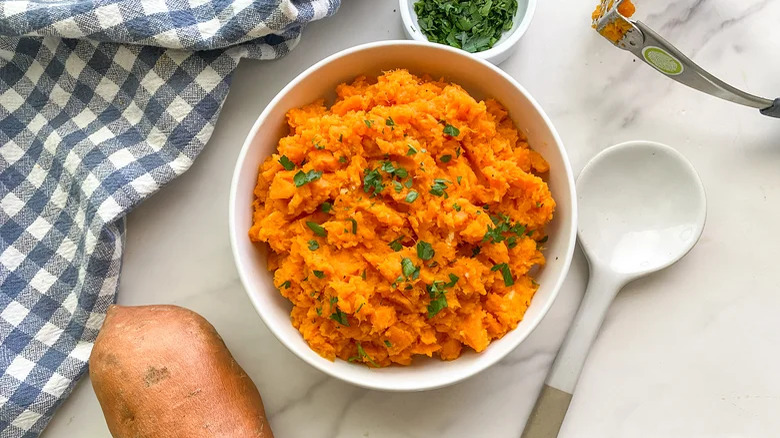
489, 29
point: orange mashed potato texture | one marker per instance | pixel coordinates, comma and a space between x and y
403, 221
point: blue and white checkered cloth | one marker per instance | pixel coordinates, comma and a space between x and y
101, 103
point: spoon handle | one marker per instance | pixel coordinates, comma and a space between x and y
553, 402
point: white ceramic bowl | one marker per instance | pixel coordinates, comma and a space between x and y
496, 54
319, 81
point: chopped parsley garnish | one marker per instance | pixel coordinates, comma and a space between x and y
285, 285
453, 280
326, 206
340, 317
318, 146
341, 138
319, 311
313, 245
451, 130
411, 196
317, 228
544, 239
397, 186
368, 123
388, 344
456, 207
408, 268
363, 355
425, 250
342, 159
389, 122
445, 158
475, 251
373, 181
411, 150
511, 242
354, 225
359, 307
459, 178
457, 152
302, 178
408, 184
286, 163
503, 224
505, 272
473, 26
438, 299
319, 274
363, 274
396, 245
438, 188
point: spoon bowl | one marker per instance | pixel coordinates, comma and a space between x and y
644, 208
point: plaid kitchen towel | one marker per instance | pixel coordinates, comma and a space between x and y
101, 103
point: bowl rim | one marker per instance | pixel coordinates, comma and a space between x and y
496, 51
379, 383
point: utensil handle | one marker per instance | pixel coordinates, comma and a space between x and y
553, 402
548, 414
772, 111
667, 59
601, 290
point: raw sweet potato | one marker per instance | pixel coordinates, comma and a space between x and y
164, 372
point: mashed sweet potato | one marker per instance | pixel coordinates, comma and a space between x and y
403, 221
615, 30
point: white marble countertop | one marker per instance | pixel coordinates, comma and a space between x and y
689, 352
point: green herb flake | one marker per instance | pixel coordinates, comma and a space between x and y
326, 207
354, 225
363, 274
439, 187
411, 150
319, 274
451, 130
363, 355
475, 251
445, 158
302, 178
456, 207
359, 307
544, 239
408, 184
457, 152
459, 179
411, 196
453, 280
286, 163
388, 344
407, 267
505, 272
342, 159
373, 181
341, 138
368, 123
396, 245
285, 285
390, 122
313, 245
425, 250
317, 228
340, 317
319, 311
397, 186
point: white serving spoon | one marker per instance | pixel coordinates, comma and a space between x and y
642, 208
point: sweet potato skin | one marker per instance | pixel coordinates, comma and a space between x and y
164, 372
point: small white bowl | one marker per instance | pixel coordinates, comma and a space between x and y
496, 54
482, 80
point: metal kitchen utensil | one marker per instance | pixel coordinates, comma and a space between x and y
647, 45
